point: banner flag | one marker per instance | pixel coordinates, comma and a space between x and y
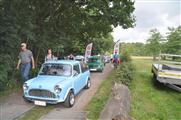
88, 51
116, 48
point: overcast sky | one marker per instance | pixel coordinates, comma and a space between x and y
150, 14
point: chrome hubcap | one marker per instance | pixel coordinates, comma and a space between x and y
89, 83
72, 100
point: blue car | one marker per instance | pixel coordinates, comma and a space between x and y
57, 81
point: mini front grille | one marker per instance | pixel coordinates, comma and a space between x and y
41, 93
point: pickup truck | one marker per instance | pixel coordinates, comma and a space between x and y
168, 71
57, 81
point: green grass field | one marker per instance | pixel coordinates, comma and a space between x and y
150, 102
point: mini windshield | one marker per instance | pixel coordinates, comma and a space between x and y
56, 69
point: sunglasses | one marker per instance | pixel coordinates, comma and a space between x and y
22, 45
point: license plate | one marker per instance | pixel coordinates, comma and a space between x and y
40, 103
93, 69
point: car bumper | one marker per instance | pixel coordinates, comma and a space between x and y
47, 100
95, 69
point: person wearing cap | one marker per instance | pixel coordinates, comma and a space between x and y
24, 62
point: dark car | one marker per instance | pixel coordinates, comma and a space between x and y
95, 63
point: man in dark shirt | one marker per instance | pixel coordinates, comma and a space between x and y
24, 62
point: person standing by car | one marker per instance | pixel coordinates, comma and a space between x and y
49, 55
24, 62
71, 57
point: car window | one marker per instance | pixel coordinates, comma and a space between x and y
56, 69
76, 68
93, 60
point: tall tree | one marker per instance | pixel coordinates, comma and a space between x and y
153, 42
173, 44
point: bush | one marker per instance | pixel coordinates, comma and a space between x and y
125, 57
125, 73
6, 69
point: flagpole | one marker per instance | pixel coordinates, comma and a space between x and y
114, 46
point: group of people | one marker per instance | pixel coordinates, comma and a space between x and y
26, 60
50, 56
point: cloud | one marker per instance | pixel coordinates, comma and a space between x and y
150, 14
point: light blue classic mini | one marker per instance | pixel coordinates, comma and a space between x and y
57, 81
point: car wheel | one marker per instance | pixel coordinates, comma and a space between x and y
101, 70
88, 85
70, 100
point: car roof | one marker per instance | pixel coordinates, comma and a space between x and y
72, 62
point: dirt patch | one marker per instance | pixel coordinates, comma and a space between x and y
142, 57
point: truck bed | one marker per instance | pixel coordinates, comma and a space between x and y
167, 73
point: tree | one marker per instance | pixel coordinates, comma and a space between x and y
173, 43
59, 24
153, 42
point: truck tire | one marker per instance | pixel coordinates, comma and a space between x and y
70, 100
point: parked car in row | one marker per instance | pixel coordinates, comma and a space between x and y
79, 58
96, 63
57, 81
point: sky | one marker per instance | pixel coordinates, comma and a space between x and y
150, 14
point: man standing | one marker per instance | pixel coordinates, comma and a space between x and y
24, 62
115, 58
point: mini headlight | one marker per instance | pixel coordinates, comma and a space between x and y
25, 86
57, 89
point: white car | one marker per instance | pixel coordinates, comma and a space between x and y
79, 58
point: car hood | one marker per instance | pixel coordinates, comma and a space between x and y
46, 82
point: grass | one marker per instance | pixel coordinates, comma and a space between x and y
36, 113
99, 100
150, 102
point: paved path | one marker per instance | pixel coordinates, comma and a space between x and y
13, 107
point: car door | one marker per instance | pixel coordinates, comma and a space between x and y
85, 73
77, 77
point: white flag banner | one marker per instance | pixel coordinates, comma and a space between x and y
88, 51
116, 48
